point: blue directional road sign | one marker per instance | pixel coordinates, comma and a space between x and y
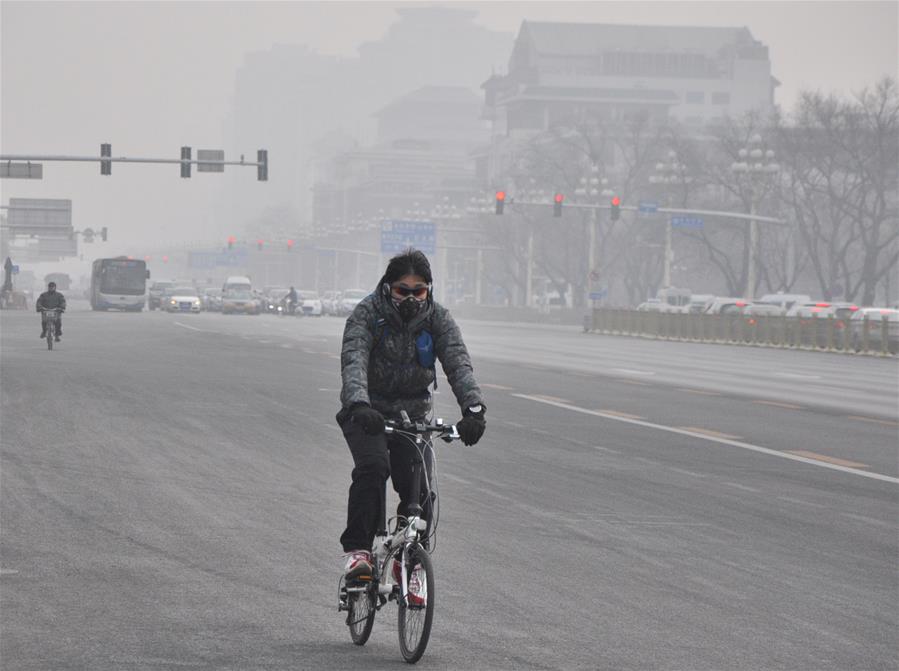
398, 234
598, 295
648, 206
686, 222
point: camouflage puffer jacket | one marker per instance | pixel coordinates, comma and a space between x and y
379, 362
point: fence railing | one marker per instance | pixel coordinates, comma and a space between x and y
827, 334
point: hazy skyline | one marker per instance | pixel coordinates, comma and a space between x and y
149, 77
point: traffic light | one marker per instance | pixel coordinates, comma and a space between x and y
165, 259
290, 245
557, 204
616, 208
259, 245
231, 241
185, 167
103, 232
105, 152
262, 168
500, 201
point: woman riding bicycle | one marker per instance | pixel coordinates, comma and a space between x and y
390, 344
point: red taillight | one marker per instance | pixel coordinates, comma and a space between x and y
822, 305
740, 304
853, 308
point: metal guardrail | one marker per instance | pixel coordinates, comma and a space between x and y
870, 336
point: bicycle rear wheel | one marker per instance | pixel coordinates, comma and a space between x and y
414, 618
361, 615
49, 338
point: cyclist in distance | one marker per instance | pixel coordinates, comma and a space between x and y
49, 300
391, 342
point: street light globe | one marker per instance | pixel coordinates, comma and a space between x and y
769, 154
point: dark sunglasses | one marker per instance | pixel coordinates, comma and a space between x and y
419, 292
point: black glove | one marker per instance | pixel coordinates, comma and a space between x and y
471, 427
371, 421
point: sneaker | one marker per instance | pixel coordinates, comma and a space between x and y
57, 338
358, 565
42, 335
418, 588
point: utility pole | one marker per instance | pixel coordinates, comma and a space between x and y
753, 234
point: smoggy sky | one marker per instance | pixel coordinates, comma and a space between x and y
151, 76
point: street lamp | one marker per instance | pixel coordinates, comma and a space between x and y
670, 175
755, 170
591, 187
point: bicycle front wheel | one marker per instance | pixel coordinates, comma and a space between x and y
361, 615
416, 611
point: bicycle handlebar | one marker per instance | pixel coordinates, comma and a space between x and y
446, 432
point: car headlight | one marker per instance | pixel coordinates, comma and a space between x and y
173, 302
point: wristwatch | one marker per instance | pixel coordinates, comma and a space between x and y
476, 409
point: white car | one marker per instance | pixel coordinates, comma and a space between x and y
182, 299
310, 303
351, 298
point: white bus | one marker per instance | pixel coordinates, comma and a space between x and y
119, 284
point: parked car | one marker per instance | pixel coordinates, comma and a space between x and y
786, 301
697, 304
726, 305
874, 324
350, 299
182, 299
651, 305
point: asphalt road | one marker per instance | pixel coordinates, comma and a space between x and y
173, 488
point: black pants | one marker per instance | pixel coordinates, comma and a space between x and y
58, 324
376, 458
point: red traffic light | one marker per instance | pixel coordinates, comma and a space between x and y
616, 201
231, 239
500, 195
290, 244
559, 198
165, 259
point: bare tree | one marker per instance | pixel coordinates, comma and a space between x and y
841, 186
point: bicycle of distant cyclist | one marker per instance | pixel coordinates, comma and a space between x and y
408, 543
50, 317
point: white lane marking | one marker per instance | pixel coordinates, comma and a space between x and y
790, 499
739, 486
798, 376
7, 571
186, 326
264, 342
715, 439
287, 346
631, 371
499, 387
685, 472
454, 478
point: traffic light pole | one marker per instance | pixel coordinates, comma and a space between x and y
106, 160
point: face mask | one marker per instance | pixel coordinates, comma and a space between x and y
408, 308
